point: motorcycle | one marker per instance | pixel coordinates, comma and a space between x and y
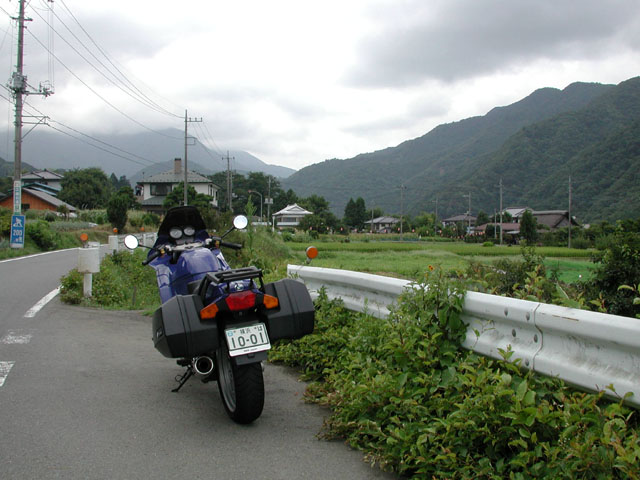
218, 321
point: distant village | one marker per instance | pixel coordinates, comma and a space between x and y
41, 188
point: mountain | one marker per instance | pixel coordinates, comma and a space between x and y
6, 168
533, 145
133, 154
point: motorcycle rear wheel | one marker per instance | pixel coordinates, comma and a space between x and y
241, 387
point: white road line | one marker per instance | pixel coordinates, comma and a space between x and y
16, 336
4, 371
43, 301
36, 255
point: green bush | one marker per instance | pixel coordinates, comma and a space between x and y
403, 391
42, 235
618, 265
122, 278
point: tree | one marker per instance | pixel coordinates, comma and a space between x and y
86, 188
349, 212
482, 218
117, 207
127, 191
176, 198
528, 227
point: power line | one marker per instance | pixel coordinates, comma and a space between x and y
144, 101
101, 97
104, 53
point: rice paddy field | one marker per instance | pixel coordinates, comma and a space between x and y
411, 259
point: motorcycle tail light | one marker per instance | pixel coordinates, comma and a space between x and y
270, 301
209, 312
241, 301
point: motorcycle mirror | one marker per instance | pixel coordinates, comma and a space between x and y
131, 242
240, 222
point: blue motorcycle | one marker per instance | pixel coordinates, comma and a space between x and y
219, 322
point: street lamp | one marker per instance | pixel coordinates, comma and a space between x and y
253, 191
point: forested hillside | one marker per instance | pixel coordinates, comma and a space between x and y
585, 130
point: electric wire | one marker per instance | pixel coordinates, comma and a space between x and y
104, 53
147, 162
101, 97
143, 101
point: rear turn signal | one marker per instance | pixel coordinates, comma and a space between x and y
270, 302
209, 312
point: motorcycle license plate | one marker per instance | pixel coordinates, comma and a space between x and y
247, 339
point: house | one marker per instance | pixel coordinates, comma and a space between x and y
152, 191
43, 177
553, 219
381, 224
290, 216
465, 218
34, 198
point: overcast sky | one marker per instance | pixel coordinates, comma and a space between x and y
297, 82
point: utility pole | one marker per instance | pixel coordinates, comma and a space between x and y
435, 222
402, 187
229, 186
19, 88
569, 211
501, 211
187, 120
469, 211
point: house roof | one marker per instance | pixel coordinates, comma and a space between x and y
460, 218
170, 176
45, 197
516, 212
42, 175
294, 209
554, 218
507, 227
383, 220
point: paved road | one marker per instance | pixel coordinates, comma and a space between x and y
87, 397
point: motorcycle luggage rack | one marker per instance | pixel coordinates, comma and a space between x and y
226, 276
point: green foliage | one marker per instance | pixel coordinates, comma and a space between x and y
355, 213
87, 188
117, 211
176, 198
528, 227
403, 391
618, 265
122, 278
41, 234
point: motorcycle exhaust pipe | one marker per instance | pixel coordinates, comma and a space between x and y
202, 365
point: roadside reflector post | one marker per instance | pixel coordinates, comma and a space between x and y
113, 243
88, 263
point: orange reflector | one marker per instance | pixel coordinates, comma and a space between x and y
209, 312
84, 237
270, 302
241, 301
312, 252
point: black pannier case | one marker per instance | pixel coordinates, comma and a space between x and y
178, 331
295, 314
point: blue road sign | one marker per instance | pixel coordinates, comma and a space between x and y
17, 231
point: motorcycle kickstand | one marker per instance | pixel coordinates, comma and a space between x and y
183, 379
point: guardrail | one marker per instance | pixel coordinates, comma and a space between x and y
116, 242
592, 351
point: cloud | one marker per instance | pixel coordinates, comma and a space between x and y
450, 41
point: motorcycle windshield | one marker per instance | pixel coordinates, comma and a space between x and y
181, 217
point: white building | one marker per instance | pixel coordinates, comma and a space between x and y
156, 188
290, 216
